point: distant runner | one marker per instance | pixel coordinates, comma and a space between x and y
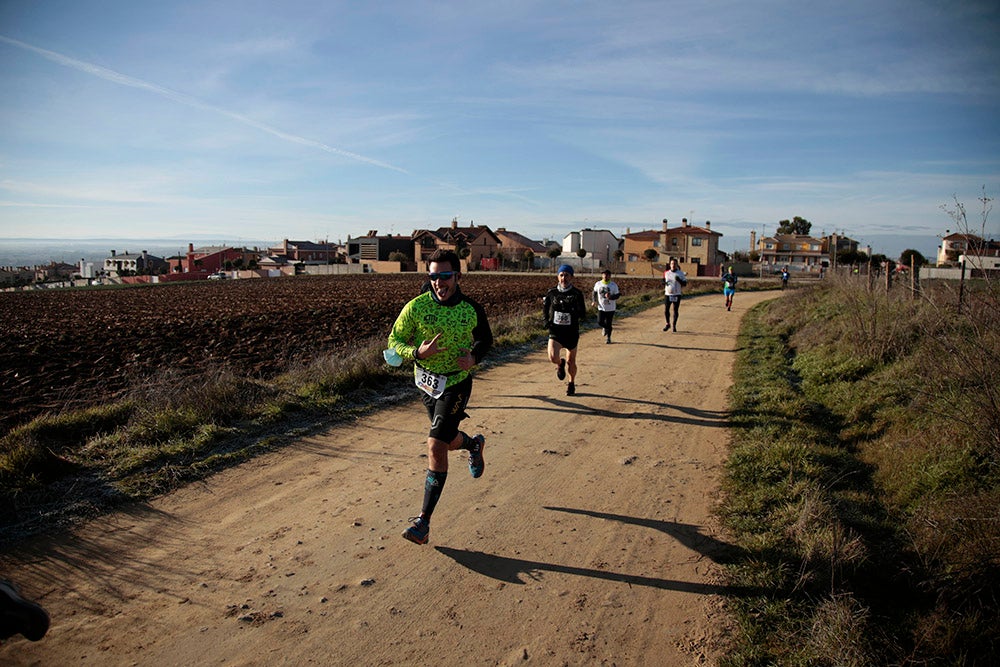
563, 308
673, 282
605, 296
729, 287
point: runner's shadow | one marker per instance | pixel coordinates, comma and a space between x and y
701, 418
687, 534
680, 346
511, 570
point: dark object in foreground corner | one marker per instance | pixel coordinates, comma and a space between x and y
20, 616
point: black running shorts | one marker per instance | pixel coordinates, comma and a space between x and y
447, 412
568, 337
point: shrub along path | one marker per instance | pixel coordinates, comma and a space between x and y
588, 540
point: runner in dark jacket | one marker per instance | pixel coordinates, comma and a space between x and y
564, 308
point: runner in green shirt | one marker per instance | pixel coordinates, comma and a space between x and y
445, 334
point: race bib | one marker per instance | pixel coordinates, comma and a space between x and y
561, 318
430, 383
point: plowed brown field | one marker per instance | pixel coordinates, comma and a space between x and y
73, 348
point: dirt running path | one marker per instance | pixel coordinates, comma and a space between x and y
589, 540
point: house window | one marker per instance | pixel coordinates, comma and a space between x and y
673, 242
696, 241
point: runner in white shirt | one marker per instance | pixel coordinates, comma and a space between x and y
605, 295
673, 280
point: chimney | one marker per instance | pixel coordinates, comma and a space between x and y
664, 224
190, 247
753, 239
684, 221
112, 252
454, 223
708, 224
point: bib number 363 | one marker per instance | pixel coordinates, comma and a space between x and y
430, 383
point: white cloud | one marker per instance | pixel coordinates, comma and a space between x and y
122, 79
96, 191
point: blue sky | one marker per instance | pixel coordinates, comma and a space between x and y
259, 120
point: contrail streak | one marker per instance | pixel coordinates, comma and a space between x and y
131, 82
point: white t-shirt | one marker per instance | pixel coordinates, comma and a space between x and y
673, 280
604, 292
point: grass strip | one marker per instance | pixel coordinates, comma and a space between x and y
837, 470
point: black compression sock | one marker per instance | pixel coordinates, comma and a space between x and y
432, 492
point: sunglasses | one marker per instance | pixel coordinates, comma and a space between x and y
443, 275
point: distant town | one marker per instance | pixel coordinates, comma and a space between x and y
640, 253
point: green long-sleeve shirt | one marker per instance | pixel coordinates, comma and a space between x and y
463, 327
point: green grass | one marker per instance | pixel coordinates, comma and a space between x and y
862, 487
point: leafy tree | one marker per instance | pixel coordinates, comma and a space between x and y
529, 257
554, 252
796, 225
397, 256
650, 254
908, 254
852, 257
581, 253
880, 261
